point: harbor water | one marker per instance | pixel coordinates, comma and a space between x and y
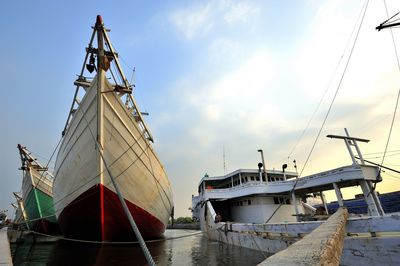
183, 247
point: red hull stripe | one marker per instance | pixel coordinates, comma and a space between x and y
102, 212
90, 218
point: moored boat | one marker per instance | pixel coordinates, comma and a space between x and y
106, 138
267, 210
36, 199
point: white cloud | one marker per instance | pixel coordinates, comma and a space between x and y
240, 12
200, 20
193, 21
262, 98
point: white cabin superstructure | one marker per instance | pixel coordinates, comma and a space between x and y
244, 196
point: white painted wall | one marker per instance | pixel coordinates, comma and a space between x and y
261, 209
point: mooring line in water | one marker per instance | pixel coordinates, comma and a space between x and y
112, 242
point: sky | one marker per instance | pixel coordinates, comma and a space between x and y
216, 77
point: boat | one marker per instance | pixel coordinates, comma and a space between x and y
20, 217
36, 199
3, 218
106, 139
267, 210
390, 203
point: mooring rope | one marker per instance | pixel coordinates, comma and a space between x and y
112, 242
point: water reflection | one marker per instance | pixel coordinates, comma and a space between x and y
192, 250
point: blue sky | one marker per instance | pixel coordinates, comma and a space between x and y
240, 74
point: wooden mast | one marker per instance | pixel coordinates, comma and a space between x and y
100, 84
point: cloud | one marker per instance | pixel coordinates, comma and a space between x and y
239, 12
193, 21
249, 95
235, 108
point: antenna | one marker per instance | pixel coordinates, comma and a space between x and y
133, 78
223, 158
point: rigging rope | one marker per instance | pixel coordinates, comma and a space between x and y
328, 112
398, 94
337, 89
138, 156
327, 88
47, 165
123, 203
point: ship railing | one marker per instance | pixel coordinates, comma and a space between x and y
341, 170
238, 187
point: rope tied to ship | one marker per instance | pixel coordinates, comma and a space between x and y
110, 242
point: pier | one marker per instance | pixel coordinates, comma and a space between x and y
323, 246
5, 253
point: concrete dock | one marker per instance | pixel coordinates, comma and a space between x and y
323, 246
5, 252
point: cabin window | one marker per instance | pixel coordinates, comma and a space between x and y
246, 179
263, 178
252, 178
241, 203
248, 202
257, 178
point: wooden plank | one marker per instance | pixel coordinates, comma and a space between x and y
287, 228
371, 251
355, 225
374, 224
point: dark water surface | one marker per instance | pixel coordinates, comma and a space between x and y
191, 250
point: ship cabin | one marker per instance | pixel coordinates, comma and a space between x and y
242, 178
245, 195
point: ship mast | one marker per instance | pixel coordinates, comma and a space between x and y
101, 67
105, 55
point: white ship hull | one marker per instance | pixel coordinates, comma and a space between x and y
85, 199
369, 240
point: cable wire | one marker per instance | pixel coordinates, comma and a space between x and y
326, 89
398, 94
337, 90
327, 114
